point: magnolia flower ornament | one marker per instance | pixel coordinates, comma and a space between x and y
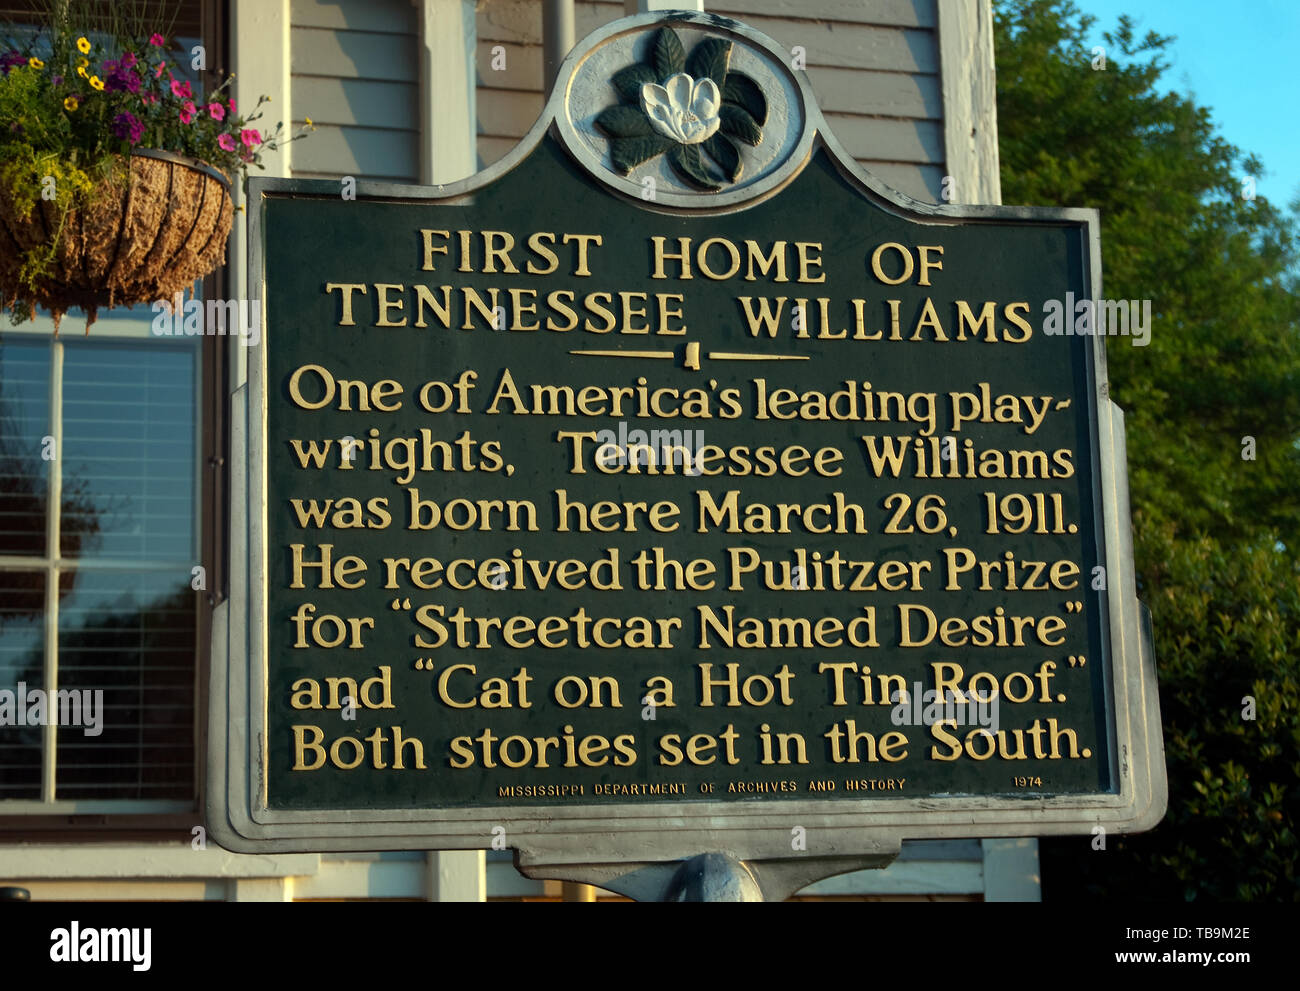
683, 109
691, 110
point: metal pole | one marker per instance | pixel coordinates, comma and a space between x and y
557, 36
447, 90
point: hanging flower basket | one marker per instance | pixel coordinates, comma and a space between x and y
136, 240
115, 164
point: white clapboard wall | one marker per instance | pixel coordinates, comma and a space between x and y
354, 72
874, 65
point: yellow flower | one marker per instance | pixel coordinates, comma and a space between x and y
96, 82
308, 122
83, 46
83, 62
35, 63
81, 71
70, 103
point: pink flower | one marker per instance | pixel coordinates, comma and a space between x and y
216, 111
157, 40
159, 71
250, 137
182, 89
226, 142
232, 104
187, 112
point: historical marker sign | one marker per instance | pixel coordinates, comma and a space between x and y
674, 486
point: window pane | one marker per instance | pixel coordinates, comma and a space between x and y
170, 16
22, 659
24, 422
129, 451
131, 636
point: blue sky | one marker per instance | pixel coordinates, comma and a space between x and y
1241, 60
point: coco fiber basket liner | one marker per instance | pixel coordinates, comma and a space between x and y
136, 242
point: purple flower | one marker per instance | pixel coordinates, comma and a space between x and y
121, 78
128, 127
10, 59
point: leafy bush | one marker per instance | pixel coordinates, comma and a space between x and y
1227, 621
1216, 532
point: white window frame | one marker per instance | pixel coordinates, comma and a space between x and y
124, 327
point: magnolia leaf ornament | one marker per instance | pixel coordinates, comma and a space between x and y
693, 109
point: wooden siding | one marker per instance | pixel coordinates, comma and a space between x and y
873, 64
355, 74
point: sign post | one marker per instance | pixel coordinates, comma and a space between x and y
672, 488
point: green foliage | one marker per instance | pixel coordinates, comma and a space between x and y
83, 91
742, 91
668, 56
738, 122
710, 57
62, 92
1224, 357
689, 163
1227, 622
1216, 535
629, 80
28, 175
724, 153
628, 153
1230, 620
621, 121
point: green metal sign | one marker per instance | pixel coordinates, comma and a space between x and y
675, 486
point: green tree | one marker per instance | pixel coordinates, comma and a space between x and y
1216, 533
